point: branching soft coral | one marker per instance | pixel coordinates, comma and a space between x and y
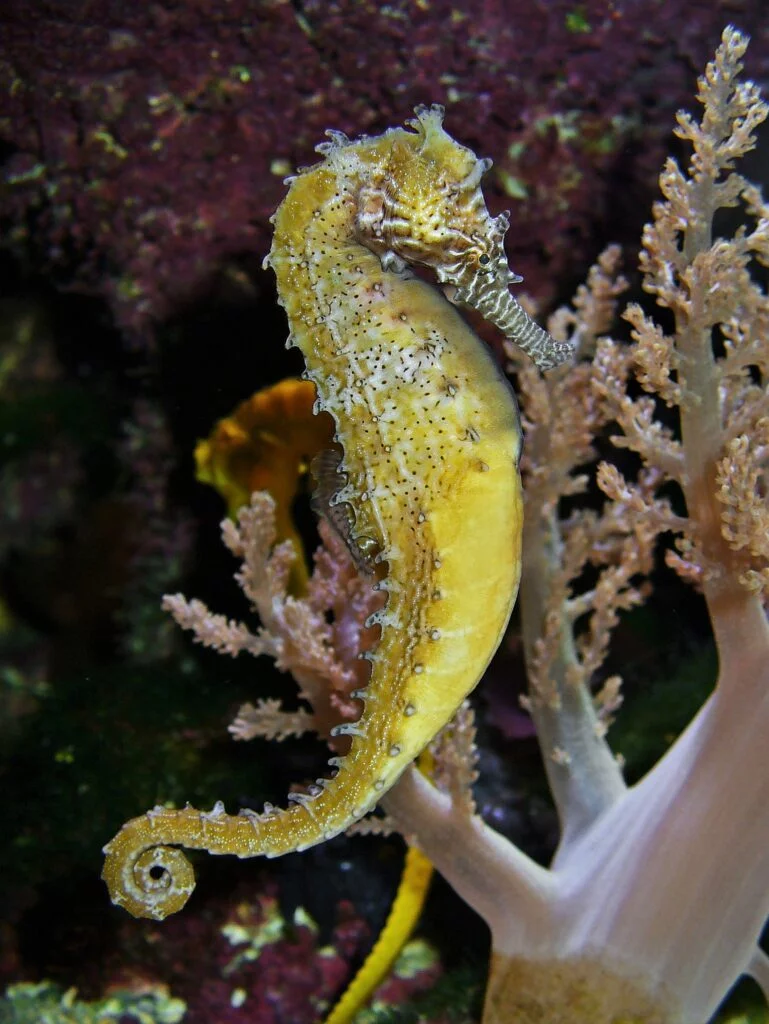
321, 655
656, 897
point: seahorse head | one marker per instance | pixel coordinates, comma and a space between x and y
421, 203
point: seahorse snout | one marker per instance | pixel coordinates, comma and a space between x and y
496, 304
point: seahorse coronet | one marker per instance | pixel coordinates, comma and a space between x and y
430, 502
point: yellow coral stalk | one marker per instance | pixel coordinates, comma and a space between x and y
401, 921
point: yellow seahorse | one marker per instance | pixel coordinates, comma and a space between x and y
427, 480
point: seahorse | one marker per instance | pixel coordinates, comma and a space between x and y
429, 440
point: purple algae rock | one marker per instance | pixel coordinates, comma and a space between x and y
145, 144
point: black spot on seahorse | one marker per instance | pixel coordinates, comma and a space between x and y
329, 480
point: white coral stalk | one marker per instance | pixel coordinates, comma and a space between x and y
655, 901
658, 907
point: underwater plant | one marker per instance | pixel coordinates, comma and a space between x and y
655, 900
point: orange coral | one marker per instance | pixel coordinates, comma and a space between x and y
267, 444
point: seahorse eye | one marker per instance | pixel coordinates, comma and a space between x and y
484, 260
